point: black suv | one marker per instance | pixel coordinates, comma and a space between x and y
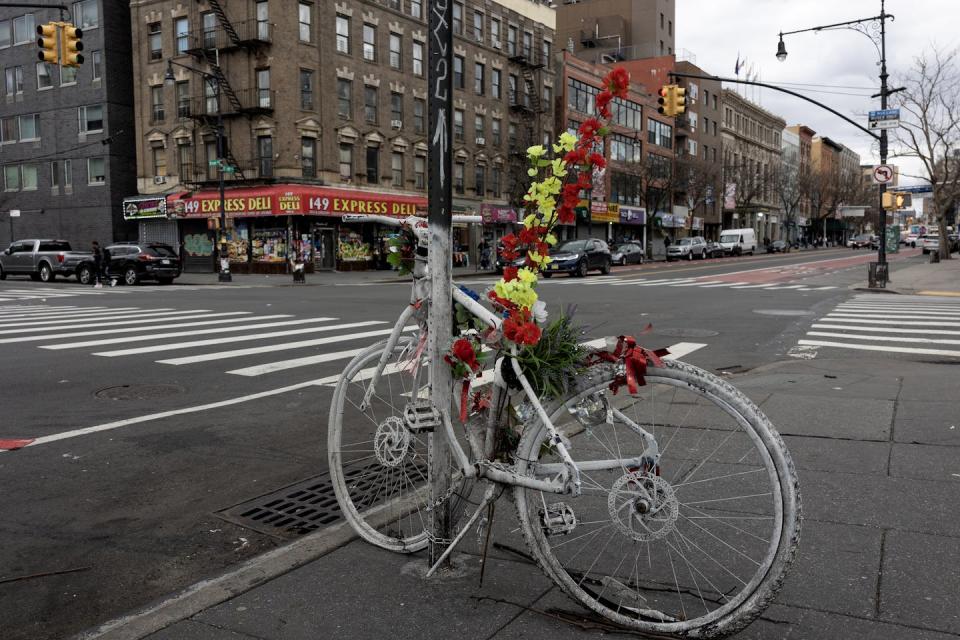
577, 257
144, 261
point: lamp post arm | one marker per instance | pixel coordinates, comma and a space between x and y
838, 24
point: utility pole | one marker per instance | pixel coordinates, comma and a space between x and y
440, 203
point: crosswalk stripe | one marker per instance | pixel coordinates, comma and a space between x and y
909, 307
942, 332
896, 315
696, 284
196, 332
682, 349
236, 316
669, 282
752, 286
174, 346
851, 336
824, 288
870, 347
791, 286
236, 353
283, 365
908, 323
92, 317
36, 313
172, 315
723, 284
644, 282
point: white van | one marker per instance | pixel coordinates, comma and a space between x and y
738, 241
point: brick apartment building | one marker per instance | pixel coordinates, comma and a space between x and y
324, 112
604, 31
66, 134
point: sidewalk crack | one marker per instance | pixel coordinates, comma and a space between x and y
893, 422
883, 545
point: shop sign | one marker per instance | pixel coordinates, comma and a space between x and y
666, 219
144, 208
605, 212
633, 215
697, 223
492, 213
802, 222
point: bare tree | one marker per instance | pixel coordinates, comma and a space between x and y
930, 129
788, 188
697, 180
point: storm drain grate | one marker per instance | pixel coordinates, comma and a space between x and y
308, 505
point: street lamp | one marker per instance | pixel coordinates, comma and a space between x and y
875, 28
223, 255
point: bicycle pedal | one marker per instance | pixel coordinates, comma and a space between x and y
557, 519
421, 416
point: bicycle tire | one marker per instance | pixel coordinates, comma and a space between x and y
379, 471
633, 598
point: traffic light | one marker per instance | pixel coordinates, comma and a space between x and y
47, 42
673, 100
893, 201
70, 46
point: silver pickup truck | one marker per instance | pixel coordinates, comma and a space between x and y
42, 259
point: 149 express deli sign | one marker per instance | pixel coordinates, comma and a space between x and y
279, 201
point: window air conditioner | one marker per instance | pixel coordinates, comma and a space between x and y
481, 141
159, 179
396, 124
496, 44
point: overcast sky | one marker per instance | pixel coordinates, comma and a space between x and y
715, 31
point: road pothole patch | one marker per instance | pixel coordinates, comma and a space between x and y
138, 392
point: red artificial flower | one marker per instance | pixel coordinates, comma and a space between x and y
618, 82
576, 156
510, 241
463, 351
529, 236
597, 160
510, 328
566, 215
589, 128
509, 273
528, 333
603, 104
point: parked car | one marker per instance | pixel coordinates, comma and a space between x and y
714, 249
577, 257
134, 262
954, 241
777, 246
929, 242
911, 240
501, 262
738, 241
687, 249
860, 241
41, 259
626, 253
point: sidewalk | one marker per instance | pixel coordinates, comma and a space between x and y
319, 278
876, 446
923, 278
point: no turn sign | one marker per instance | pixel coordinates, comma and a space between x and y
882, 173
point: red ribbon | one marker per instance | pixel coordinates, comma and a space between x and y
464, 396
635, 359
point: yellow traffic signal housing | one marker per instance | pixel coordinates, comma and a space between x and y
679, 100
71, 46
893, 200
47, 42
666, 100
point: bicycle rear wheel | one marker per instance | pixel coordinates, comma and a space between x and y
696, 546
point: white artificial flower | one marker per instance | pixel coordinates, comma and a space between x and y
540, 311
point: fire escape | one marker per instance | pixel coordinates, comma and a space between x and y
208, 45
526, 105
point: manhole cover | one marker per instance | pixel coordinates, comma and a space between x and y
686, 333
139, 391
310, 504
783, 312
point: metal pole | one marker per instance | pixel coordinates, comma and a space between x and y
440, 201
882, 227
222, 252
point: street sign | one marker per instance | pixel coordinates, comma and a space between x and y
229, 168
14, 213
882, 173
213, 163
885, 119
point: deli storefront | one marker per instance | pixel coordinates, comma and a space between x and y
267, 227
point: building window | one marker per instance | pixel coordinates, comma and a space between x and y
156, 104
396, 169
527, 45
14, 77
306, 89
547, 53
581, 96
96, 171
67, 174
155, 41
184, 160
458, 18
370, 107
495, 83
511, 40
480, 126
418, 59
495, 181
5, 39
478, 26
659, 134
24, 30
54, 174
44, 77
91, 119
479, 180
396, 109
208, 22
159, 161
416, 8
344, 98
420, 172
670, 27
373, 165
396, 45
265, 156
478, 78
343, 34
495, 33
86, 15
29, 127
547, 96
97, 63
458, 169
263, 88
495, 131
512, 89
458, 72
11, 177
28, 177
68, 76
419, 119
458, 125
346, 162
263, 20
8, 129
211, 99
308, 157
181, 27
306, 22
210, 148
369, 42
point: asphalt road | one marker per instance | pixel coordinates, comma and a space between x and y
153, 408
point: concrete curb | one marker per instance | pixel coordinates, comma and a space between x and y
211, 592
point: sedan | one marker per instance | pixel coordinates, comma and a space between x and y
626, 253
714, 249
577, 257
929, 243
861, 241
777, 246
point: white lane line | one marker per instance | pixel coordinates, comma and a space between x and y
939, 332
93, 317
666, 282
850, 336
284, 365
196, 332
645, 281
790, 286
910, 308
870, 347
724, 284
892, 315
752, 286
236, 353
823, 288
173, 346
14, 311
145, 329
172, 315
682, 349
907, 323
699, 283
70, 313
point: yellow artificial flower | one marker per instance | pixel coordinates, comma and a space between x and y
550, 239
532, 172
559, 167
535, 152
526, 275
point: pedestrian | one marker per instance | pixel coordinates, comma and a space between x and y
766, 241
97, 265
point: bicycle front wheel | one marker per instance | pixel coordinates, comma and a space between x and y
695, 546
